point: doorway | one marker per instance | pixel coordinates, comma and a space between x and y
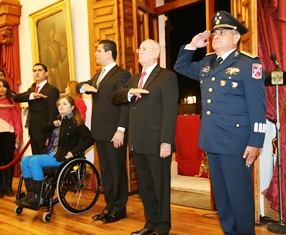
181, 26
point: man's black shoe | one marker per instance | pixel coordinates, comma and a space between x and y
101, 216
143, 231
114, 216
266, 220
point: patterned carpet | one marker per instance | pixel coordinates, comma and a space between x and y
191, 191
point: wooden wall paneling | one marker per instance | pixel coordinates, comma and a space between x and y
210, 10
127, 16
174, 5
114, 20
103, 24
127, 36
147, 22
246, 12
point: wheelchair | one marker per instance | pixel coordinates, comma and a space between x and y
75, 184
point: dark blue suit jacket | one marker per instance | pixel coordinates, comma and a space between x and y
233, 100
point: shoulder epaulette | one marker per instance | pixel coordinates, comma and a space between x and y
249, 54
211, 53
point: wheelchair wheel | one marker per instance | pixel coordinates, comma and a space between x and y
78, 186
18, 210
47, 216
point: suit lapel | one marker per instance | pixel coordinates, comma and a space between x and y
94, 80
44, 88
136, 80
152, 76
107, 76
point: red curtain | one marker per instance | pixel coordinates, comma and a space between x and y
272, 40
10, 64
10, 61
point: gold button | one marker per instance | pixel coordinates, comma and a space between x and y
210, 89
208, 112
213, 79
237, 125
209, 101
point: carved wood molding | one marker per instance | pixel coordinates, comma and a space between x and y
10, 13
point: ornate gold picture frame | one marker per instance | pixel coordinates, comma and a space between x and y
52, 42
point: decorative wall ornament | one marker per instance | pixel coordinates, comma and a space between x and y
6, 34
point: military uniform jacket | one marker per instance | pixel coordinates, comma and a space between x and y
233, 100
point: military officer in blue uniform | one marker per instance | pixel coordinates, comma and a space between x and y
232, 117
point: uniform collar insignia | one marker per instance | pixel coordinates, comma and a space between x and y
236, 53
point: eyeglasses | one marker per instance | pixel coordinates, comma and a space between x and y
220, 32
142, 49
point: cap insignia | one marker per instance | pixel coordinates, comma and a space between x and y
218, 18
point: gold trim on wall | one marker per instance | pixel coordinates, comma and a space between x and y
52, 42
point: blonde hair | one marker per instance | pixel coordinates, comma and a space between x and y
73, 92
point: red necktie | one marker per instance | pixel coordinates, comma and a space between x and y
37, 89
140, 85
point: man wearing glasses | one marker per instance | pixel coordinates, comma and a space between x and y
232, 117
152, 97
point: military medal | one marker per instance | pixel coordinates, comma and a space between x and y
222, 82
206, 69
232, 71
234, 84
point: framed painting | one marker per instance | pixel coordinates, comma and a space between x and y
52, 42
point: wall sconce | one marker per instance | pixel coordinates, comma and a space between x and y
191, 100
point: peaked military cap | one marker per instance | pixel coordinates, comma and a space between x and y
223, 19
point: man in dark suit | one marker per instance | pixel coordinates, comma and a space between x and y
232, 119
152, 122
42, 98
108, 127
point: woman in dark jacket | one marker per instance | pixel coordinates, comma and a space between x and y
70, 138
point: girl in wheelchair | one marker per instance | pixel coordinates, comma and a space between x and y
70, 138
